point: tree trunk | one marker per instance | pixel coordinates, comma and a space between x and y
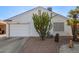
74, 29
42, 37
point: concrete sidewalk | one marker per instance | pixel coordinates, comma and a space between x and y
66, 49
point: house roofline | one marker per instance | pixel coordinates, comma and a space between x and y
33, 9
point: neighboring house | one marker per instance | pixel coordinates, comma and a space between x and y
22, 25
2, 27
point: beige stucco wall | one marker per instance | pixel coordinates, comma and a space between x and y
67, 29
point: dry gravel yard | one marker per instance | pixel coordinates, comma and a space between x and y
35, 45
31, 45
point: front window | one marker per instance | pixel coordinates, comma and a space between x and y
59, 26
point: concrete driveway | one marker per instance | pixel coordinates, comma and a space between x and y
11, 45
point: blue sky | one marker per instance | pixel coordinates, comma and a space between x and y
9, 11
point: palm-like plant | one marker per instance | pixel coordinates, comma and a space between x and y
73, 21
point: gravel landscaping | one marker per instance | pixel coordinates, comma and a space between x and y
35, 45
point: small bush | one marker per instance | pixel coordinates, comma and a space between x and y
57, 37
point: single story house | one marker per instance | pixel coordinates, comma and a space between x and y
22, 25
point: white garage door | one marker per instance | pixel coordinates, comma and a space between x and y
19, 30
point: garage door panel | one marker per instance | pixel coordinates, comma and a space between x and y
19, 30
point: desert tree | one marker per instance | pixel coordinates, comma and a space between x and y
42, 23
